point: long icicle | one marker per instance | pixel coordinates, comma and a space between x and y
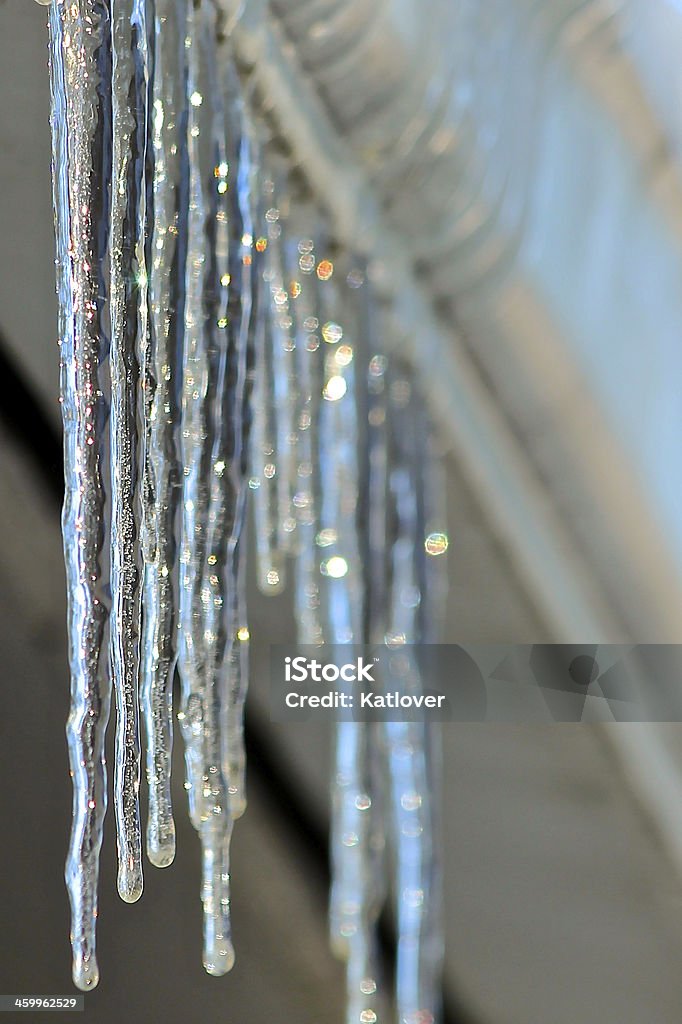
300, 258
412, 747
195, 427
245, 273
228, 498
231, 274
275, 432
267, 470
357, 842
215, 400
130, 80
207, 788
80, 66
282, 344
167, 211
358, 886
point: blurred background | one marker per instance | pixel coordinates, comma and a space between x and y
517, 163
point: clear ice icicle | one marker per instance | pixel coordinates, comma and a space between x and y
196, 423
214, 434
266, 470
235, 687
200, 713
225, 629
412, 753
275, 432
284, 292
411, 747
335, 463
167, 214
80, 58
357, 843
226, 623
300, 260
130, 80
218, 955
358, 868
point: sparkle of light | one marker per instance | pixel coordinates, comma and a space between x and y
336, 567
332, 332
344, 355
335, 389
436, 544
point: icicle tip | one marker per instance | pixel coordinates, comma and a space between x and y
130, 883
85, 972
161, 849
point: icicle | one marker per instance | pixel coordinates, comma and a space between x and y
265, 471
358, 886
130, 78
162, 372
196, 409
215, 426
414, 797
336, 461
300, 264
226, 619
284, 293
231, 448
267, 455
204, 318
215, 895
235, 687
216, 820
80, 65
412, 746
327, 320
275, 428
357, 842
